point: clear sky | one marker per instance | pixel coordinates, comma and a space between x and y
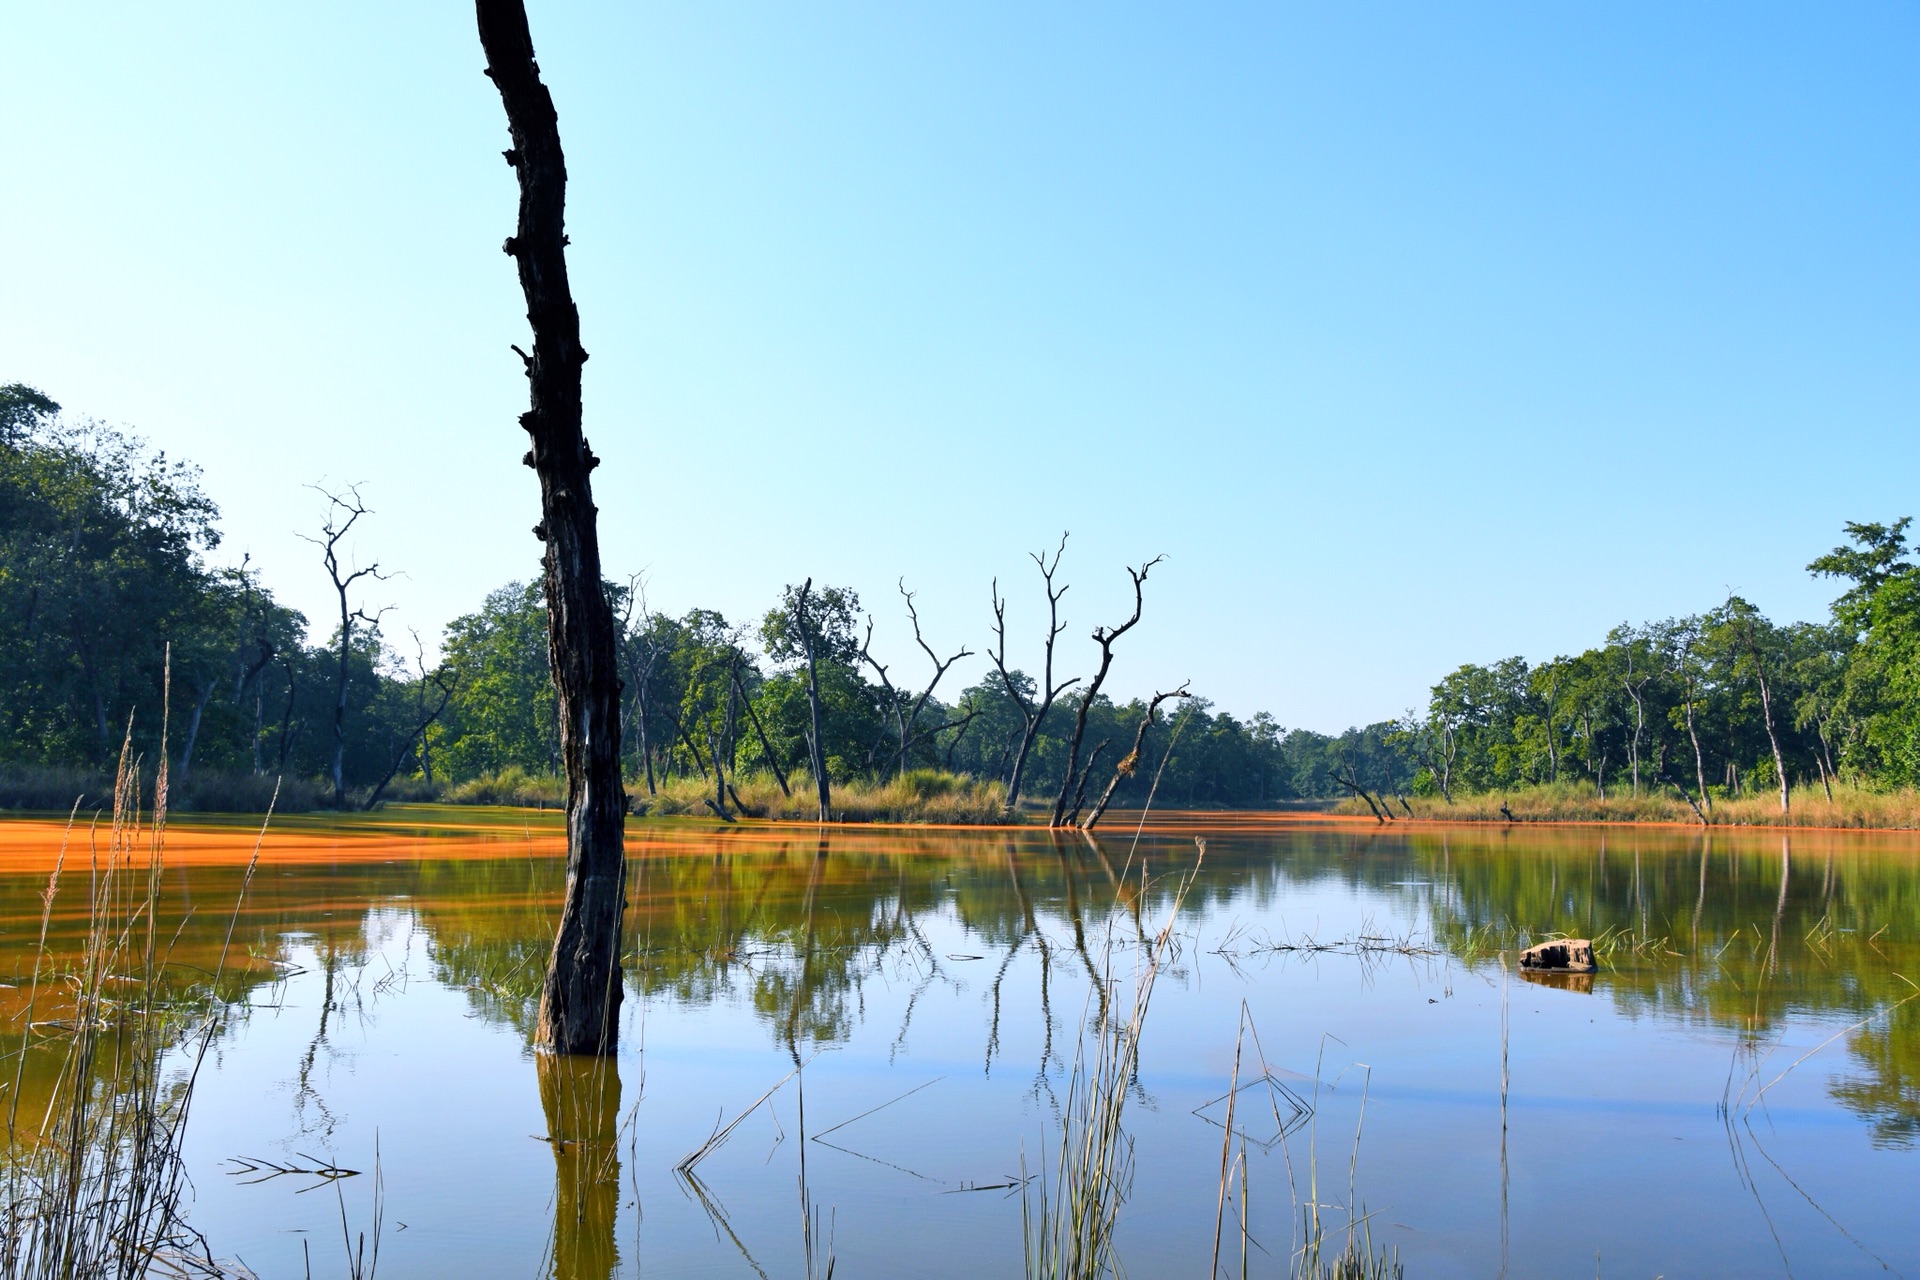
1411, 334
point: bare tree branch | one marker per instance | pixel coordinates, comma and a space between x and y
1104, 637
1034, 713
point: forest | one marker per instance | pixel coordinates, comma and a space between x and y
108, 588
1722, 703
109, 596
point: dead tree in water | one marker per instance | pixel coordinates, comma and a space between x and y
344, 510
444, 684
1032, 712
1104, 637
1352, 783
1131, 761
580, 999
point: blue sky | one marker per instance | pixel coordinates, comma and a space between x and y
1411, 334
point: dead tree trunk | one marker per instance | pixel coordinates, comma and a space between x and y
580, 999
1674, 782
193, 728
1634, 690
816, 746
896, 705
760, 732
640, 675
908, 736
1131, 761
343, 512
1553, 744
1686, 703
1080, 791
1766, 708
1104, 637
446, 685
1034, 713
1352, 783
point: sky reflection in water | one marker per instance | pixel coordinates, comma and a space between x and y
942, 977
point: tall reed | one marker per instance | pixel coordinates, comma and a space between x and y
1069, 1223
93, 1186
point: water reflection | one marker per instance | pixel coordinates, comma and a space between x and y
895, 940
580, 1097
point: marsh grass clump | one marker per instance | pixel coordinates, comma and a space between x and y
1357, 1259
512, 785
93, 1184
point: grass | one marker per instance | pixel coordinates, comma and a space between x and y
95, 1185
511, 786
918, 795
1851, 806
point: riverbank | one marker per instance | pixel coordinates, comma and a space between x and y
1849, 807
918, 796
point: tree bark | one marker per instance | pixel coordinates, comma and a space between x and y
580, 999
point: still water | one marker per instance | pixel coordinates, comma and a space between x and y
1736, 1092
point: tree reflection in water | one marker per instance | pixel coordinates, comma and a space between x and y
580, 1096
806, 938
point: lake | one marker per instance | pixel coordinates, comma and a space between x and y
1736, 1091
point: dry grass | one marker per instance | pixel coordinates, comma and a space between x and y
94, 1186
511, 786
1851, 806
919, 795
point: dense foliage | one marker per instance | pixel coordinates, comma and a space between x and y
1717, 703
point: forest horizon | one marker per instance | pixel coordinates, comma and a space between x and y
267, 691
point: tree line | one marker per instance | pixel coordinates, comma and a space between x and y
109, 598
1715, 704
114, 605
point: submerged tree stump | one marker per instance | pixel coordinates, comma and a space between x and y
1563, 955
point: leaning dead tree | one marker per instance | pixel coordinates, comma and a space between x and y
1351, 781
1070, 785
429, 709
344, 509
1033, 711
1129, 764
580, 999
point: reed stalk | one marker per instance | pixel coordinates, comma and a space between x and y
93, 1187
1069, 1223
